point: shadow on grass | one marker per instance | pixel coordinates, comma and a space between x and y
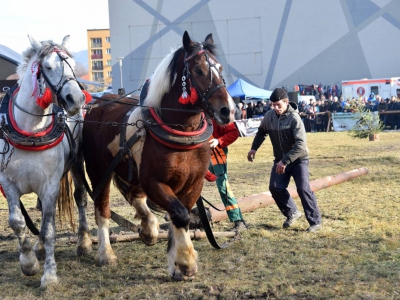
269, 227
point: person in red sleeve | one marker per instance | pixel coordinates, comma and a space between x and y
222, 137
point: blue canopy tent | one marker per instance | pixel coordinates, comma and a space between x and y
245, 90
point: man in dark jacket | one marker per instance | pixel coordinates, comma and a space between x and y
289, 142
382, 107
259, 109
250, 110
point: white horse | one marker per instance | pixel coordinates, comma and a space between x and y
36, 149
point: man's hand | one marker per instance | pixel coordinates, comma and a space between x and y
213, 143
280, 168
251, 155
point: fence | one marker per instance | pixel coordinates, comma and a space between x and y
336, 121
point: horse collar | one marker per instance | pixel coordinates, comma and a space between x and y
174, 138
31, 141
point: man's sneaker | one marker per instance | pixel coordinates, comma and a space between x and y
314, 228
240, 225
291, 219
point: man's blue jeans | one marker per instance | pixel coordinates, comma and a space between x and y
278, 187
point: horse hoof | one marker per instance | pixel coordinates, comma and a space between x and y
110, 260
83, 251
85, 245
178, 276
48, 279
148, 240
29, 264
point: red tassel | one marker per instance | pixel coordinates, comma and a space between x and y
88, 96
192, 98
210, 176
46, 99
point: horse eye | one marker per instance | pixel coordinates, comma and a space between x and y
199, 72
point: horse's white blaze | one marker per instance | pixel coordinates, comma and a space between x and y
215, 70
231, 108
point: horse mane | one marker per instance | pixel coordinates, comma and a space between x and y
165, 74
47, 48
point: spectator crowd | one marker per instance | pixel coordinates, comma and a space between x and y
315, 114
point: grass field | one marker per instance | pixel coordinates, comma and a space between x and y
356, 255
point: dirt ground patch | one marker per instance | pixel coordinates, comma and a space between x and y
356, 255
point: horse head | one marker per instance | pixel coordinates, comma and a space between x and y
53, 66
202, 75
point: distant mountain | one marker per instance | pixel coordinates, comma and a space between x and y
82, 58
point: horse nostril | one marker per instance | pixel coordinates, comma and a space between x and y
225, 112
69, 98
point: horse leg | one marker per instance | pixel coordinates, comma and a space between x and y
38, 204
105, 254
84, 244
39, 246
29, 263
47, 235
181, 255
39, 249
149, 224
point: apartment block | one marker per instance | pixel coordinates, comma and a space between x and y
99, 55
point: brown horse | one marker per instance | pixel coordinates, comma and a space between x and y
168, 169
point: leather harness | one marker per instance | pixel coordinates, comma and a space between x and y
30, 141
163, 134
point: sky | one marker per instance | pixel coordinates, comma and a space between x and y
50, 20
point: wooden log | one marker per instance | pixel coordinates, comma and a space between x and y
194, 234
253, 202
389, 112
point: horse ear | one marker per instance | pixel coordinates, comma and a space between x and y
186, 42
35, 44
65, 42
209, 39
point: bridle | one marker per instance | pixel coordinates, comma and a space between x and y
58, 88
208, 93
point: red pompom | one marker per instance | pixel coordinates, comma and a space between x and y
88, 96
45, 100
210, 176
192, 98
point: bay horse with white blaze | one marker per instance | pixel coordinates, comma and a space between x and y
171, 152
36, 146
